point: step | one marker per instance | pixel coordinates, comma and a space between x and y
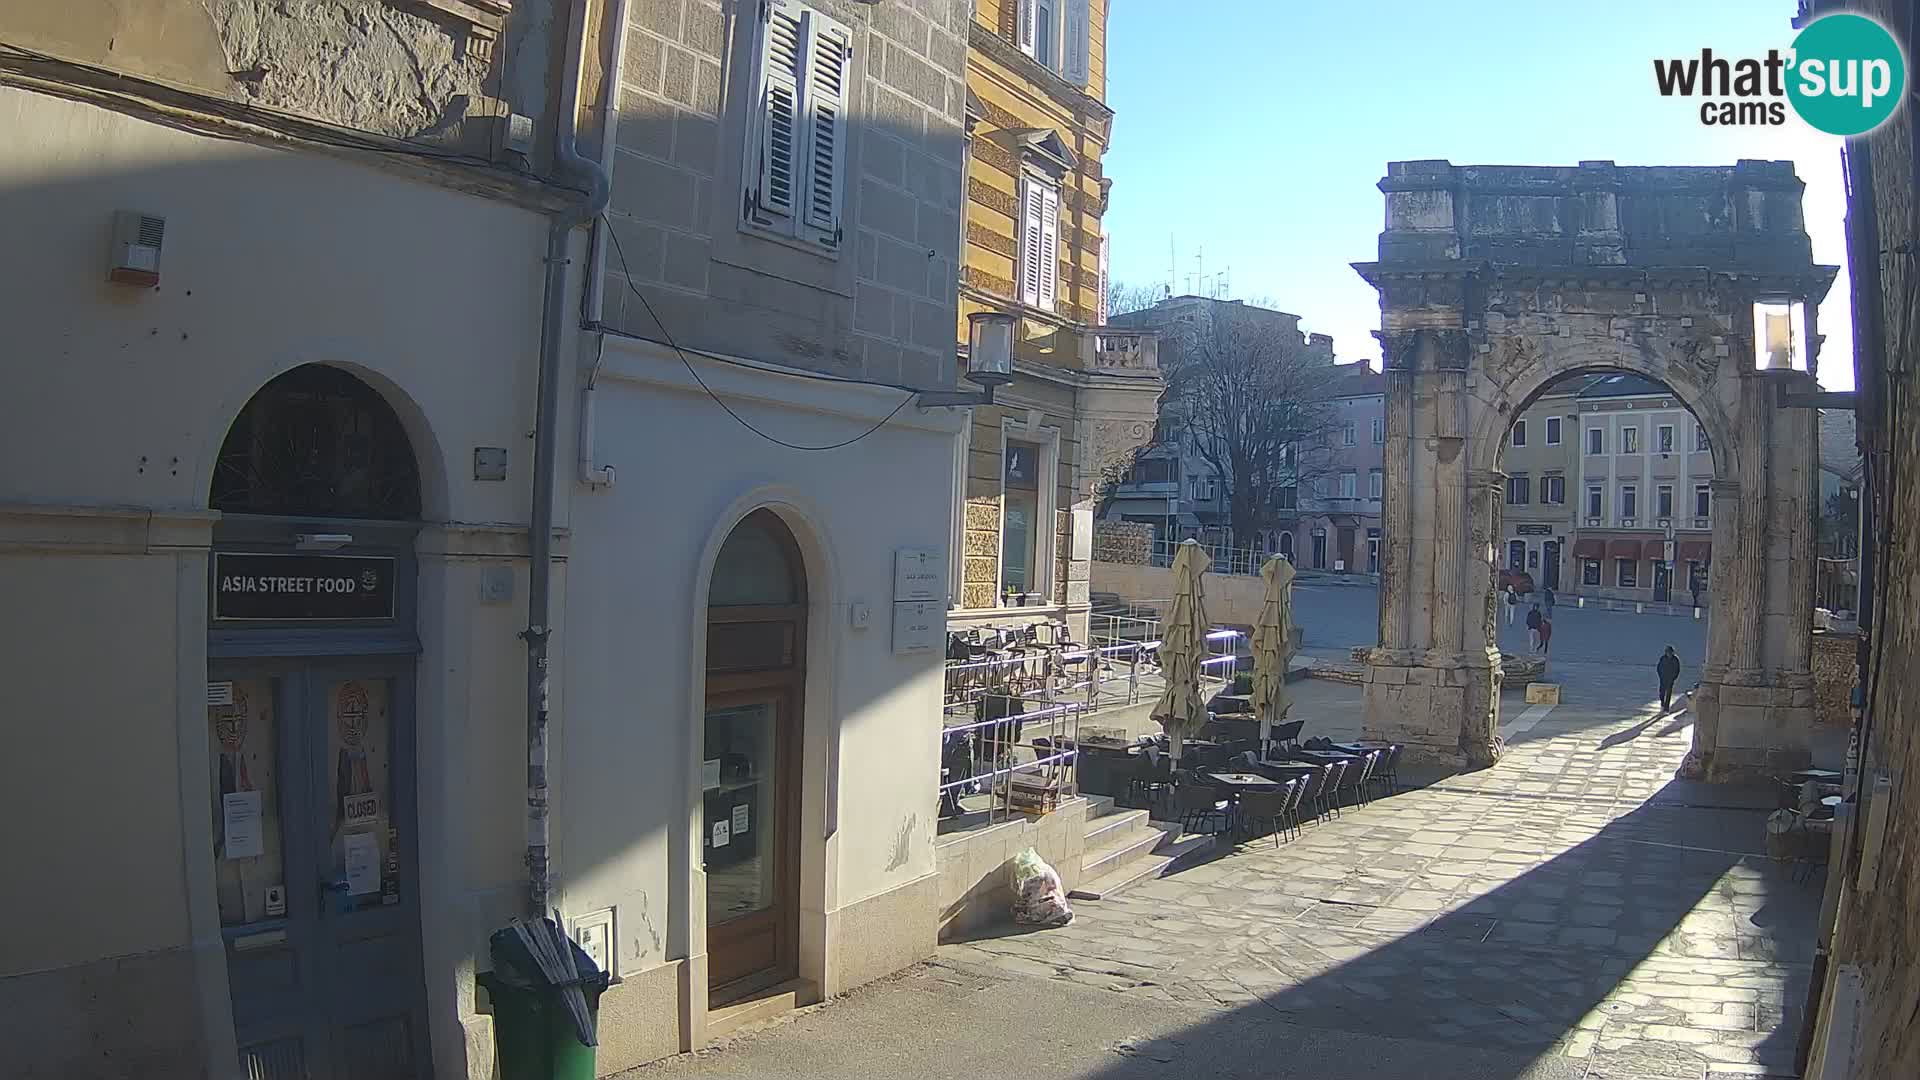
1122, 848
1111, 827
757, 1008
1174, 848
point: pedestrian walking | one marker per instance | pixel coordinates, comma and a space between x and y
1546, 594
1693, 586
1546, 636
1533, 628
1513, 601
1669, 670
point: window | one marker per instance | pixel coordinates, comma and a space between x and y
1020, 531
1055, 32
1702, 501
1379, 431
1590, 571
1553, 431
1663, 501
1629, 440
1700, 436
1193, 488
1629, 502
1553, 490
1595, 501
1349, 484
1626, 573
1517, 490
1663, 439
1596, 441
1376, 483
1346, 434
1287, 498
1519, 433
797, 135
1039, 242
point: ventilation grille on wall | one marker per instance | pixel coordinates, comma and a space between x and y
135, 256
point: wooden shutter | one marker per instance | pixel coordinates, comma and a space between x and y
824, 98
777, 137
1029, 15
1075, 43
1049, 247
1030, 242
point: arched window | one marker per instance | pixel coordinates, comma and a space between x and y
317, 442
1286, 545
758, 565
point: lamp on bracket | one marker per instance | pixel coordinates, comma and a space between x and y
989, 362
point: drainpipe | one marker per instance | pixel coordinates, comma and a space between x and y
573, 168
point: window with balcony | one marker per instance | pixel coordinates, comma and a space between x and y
1553, 431
1519, 433
1629, 440
1596, 441
1518, 488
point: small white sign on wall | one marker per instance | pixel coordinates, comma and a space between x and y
919, 574
918, 625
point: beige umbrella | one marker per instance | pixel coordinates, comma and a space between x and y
1273, 647
1183, 639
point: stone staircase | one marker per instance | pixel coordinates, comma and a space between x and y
1124, 846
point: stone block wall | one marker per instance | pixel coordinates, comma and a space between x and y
1122, 542
1834, 654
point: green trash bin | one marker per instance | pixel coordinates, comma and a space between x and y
533, 1036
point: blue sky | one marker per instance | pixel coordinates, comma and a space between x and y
1253, 132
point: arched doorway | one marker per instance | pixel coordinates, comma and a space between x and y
1286, 545
310, 708
751, 748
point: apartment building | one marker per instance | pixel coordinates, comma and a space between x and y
1334, 520
1539, 462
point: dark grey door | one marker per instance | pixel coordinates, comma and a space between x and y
313, 844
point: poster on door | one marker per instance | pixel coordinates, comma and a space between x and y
359, 744
245, 817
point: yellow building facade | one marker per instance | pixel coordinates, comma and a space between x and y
1029, 466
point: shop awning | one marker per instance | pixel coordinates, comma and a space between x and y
1655, 550
1625, 549
1694, 551
1589, 549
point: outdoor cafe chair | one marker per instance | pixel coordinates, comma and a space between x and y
1336, 774
1198, 803
1287, 735
1149, 781
1268, 808
1311, 793
1386, 772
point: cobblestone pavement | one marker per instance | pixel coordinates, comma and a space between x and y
1572, 903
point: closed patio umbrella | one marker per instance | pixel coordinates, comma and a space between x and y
1183, 639
1273, 646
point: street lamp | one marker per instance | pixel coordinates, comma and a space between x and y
989, 362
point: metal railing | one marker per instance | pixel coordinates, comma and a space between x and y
1225, 559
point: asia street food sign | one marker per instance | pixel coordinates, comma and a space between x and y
305, 588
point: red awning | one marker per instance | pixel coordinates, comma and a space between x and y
1589, 549
1694, 551
1655, 550
1625, 549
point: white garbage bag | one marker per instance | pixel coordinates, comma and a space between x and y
1038, 897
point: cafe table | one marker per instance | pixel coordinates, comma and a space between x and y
1323, 757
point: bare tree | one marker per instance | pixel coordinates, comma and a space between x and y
1248, 396
1123, 298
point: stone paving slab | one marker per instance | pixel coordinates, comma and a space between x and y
1606, 915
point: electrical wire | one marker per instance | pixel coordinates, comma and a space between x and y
627, 274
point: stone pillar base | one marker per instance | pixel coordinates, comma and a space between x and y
1444, 712
1757, 732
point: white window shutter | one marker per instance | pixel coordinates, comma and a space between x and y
1049, 248
1101, 300
1029, 15
829, 55
1030, 242
1075, 42
777, 138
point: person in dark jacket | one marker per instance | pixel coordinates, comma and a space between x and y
1669, 669
1533, 628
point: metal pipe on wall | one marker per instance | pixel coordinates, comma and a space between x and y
572, 168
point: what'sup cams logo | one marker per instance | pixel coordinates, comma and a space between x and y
1844, 75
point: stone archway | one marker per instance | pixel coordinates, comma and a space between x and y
1496, 281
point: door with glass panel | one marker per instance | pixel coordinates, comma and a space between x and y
750, 758
313, 824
